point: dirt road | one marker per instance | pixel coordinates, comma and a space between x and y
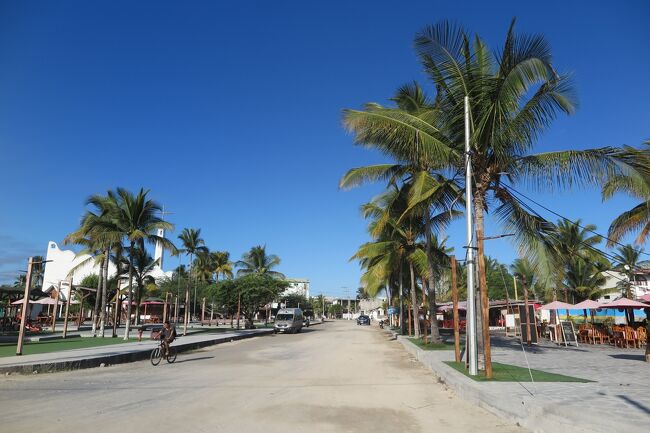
336, 377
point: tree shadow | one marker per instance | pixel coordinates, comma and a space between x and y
630, 356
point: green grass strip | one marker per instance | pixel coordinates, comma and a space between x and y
512, 373
30, 348
432, 346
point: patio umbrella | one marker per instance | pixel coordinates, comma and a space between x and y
587, 304
626, 304
557, 305
644, 298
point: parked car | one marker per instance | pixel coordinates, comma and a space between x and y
288, 320
363, 320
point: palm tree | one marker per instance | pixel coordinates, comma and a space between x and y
513, 97
136, 218
256, 261
143, 265
428, 190
222, 264
192, 244
584, 279
635, 181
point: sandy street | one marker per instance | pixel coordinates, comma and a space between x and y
337, 377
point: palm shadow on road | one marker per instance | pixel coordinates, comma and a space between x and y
201, 358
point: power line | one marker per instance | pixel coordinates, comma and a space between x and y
512, 189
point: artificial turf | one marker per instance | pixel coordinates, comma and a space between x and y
30, 348
512, 373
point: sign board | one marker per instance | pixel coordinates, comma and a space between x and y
526, 321
568, 333
393, 310
512, 324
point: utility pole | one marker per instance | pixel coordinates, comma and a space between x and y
471, 294
25, 312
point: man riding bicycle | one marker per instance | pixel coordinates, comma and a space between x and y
167, 335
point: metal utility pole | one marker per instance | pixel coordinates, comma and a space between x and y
25, 312
471, 291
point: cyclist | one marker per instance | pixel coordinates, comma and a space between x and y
167, 335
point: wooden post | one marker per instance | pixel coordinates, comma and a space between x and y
528, 338
515, 280
410, 321
81, 308
164, 318
211, 312
118, 307
238, 308
424, 300
176, 308
56, 306
145, 313
202, 310
67, 310
454, 298
25, 312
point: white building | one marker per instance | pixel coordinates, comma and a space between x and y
639, 283
64, 264
298, 287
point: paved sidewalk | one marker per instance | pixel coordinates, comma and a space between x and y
115, 354
617, 400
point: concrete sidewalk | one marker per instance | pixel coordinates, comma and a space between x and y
617, 400
115, 354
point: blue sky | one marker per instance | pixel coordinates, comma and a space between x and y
231, 113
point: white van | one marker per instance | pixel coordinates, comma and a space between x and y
288, 320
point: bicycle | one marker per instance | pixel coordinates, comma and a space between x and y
157, 354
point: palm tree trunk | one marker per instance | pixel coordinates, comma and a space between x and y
128, 308
414, 303
97, 298
485, 306
187, 298
102, 312
435, 332
401, 298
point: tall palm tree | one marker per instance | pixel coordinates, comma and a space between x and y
635, 181
257, 261
136, 218
584, 280
429, 191
513, 97
192, 244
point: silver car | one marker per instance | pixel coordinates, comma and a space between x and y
288, 320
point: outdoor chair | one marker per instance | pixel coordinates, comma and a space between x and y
626, 336
601, 336
641, 336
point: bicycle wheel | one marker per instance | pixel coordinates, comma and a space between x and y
171, 356
156, 356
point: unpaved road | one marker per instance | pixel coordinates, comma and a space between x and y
336, 377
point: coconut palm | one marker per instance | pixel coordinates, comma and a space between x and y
428, 191
192, 244
222, 264
136, 217
513, 97
257, 261
143, 265
584, 280
635, 181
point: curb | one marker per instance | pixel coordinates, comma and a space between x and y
120, 358
539, 415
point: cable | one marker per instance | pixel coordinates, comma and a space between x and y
509, 187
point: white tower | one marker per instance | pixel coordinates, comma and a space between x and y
159, 253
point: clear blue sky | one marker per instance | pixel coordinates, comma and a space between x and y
231, 113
